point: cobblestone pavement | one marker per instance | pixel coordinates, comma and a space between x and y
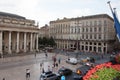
14, 68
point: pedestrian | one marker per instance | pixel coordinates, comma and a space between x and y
46, 55
54, 59
35, 55
59, 60
56, 64
102, 55
43, 70
52, 68
41, 66
27, 73
3, 78
48, 68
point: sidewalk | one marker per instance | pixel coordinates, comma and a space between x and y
18, 57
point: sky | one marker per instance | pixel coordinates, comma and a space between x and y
44, 11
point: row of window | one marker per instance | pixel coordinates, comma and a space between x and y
79, 30
84, 36
95, 23
82, 23
92, 36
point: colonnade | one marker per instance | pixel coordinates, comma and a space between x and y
11, 41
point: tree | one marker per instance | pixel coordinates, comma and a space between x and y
46, 42
51, 42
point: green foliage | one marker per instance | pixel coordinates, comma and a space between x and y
46, 42
105, 74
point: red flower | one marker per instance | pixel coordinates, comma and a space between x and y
100, 66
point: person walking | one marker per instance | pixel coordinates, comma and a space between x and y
27, 74
3, 78
46, 55
43, 70
49, 68
35, 55
41, 66
59, 60
56, 66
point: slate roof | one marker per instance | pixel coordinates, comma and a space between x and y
11, 15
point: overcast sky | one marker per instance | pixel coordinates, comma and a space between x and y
43, 11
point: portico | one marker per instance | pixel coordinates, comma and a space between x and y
11, 41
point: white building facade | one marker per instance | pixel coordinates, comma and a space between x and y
93, 33
17, 34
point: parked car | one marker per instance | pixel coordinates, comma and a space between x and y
64, 71
83, 70
77, 76
49, 76
72, 61
86, 60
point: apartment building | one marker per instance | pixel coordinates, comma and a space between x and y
94, 33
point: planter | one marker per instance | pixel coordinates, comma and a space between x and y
105, 71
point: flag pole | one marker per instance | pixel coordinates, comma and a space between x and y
110, 6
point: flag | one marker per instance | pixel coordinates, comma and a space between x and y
117, 26
116, 22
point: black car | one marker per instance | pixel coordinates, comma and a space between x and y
77, 76
83, 70
64, 71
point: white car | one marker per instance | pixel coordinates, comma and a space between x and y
49, 76
72, 61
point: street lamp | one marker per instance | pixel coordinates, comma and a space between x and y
77, 43
77, 33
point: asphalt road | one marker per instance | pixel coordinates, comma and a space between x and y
33, 60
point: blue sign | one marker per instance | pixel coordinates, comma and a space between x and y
62, 77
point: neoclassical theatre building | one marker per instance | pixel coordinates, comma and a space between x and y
17, 34
94, 33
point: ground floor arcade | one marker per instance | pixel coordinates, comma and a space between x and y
85, 46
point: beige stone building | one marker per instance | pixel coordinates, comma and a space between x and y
93, 33
44, 31
17, 34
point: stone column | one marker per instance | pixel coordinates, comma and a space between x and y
9, 48
25, 42
67, 45
33, 41
1, 34
31, 44
88, 48
17, 42
37, 42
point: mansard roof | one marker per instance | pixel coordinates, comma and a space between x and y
11, 15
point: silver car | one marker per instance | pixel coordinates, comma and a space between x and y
49, 76
72, 61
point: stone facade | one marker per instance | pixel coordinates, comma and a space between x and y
93, 33
17, 34
44, 31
